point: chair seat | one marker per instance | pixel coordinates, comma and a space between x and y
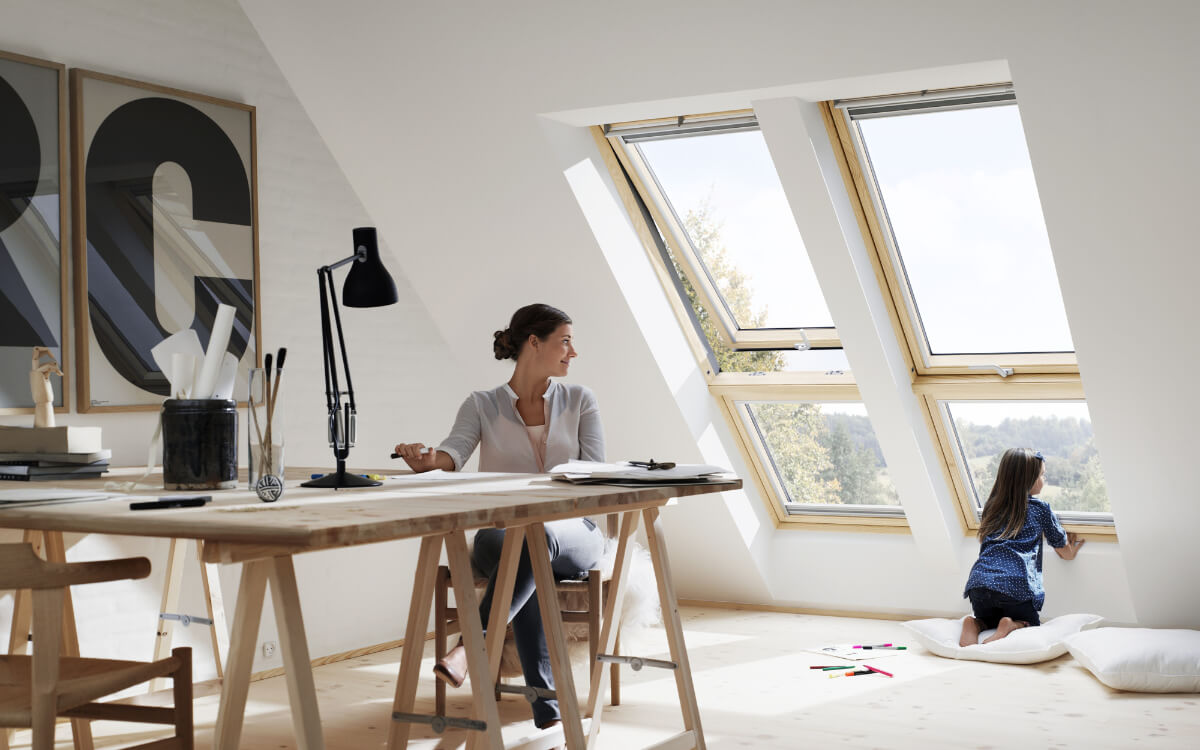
81, 680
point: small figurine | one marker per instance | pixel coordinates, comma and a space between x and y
41, 388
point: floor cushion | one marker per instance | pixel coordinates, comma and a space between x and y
1025, 646
1144, 660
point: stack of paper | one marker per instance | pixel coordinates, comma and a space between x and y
25, 498
595, 472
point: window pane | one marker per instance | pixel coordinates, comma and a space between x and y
821, 453
1061, 430
724, 190
958, 191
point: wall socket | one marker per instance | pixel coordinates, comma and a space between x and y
268, 649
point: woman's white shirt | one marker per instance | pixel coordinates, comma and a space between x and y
489, 419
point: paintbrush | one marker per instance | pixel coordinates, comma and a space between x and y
266, 445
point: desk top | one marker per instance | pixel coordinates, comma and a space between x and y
237, 526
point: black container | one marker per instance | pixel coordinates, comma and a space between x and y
199, 441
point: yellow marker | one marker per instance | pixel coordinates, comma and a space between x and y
376, 477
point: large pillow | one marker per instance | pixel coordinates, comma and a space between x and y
1141, 659
1024, 646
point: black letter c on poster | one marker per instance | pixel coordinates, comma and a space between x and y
131, 143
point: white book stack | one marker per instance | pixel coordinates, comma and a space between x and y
42, 454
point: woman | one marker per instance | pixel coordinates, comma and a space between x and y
527, 425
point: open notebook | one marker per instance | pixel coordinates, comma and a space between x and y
595, 472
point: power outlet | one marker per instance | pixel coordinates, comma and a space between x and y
268, 649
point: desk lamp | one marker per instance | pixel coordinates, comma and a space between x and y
368, 284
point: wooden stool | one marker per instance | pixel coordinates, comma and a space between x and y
445, 623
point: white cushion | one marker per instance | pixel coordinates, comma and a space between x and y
1141, 659
1024, 646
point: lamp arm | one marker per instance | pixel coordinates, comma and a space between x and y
337, 319
359, 254
327, 345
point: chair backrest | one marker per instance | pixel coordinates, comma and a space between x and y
21, 568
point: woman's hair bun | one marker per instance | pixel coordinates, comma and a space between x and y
502, 346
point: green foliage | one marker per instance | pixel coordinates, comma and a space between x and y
856, 463
805, 466
705, 232
1074, 479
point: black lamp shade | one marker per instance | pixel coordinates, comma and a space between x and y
368, 284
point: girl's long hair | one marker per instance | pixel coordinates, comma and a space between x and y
1004, 512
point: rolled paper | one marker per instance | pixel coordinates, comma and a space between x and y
226, 377
180, 375
187, 344
221, 330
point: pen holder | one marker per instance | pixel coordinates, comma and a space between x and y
199, 444
264, 425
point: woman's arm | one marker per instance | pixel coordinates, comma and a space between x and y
591, 432
1068, 550
464, 435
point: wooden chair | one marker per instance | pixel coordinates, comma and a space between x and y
36, 689
596, 584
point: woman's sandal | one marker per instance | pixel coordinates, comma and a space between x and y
446, 674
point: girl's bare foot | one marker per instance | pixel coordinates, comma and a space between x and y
1006, 626
970, 632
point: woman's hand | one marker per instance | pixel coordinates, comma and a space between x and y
418, 457
1067, 552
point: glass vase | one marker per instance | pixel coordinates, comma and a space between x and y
265, 436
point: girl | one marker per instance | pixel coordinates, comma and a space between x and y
526, 425
1005, 585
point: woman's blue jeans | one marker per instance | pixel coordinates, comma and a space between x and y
576, 546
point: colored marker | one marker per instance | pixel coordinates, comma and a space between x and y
826, 669
859, 674
880, 671
881, 645
821, 667
888, 648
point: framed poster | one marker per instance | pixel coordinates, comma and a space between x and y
166, 228
33, 261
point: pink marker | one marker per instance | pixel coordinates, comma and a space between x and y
877, 645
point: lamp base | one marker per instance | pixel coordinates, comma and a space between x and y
340, 480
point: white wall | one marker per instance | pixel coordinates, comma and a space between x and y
474, 102
406, 381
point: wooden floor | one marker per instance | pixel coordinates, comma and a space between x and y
755, 691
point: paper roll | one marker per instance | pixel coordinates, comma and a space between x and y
181, 373
222, 328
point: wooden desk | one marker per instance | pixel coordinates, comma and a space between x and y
237, 527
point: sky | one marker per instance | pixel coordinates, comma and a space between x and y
959, 190
993, 413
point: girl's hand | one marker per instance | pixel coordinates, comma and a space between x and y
1072, 546
418, 457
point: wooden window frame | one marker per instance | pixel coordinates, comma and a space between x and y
848, 146
765, 478
642, 176
935, 390
729, 387
1033, 377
